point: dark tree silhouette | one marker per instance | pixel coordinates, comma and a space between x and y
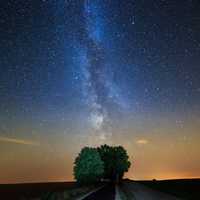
89, 167
107, 162
116, 161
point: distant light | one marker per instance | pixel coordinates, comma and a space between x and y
142, 141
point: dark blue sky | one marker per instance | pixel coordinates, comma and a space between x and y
151, 47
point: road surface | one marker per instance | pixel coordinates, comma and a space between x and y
105, 193
141, 192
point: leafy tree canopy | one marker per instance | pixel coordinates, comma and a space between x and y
116, 161
88, 166
108, 162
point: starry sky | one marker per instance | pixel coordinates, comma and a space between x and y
77, 73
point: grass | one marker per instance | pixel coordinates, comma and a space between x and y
71, 194
184, 188
187, 189
44, 191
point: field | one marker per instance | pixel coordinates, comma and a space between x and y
43, 191
184, 188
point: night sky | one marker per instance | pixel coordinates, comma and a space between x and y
75, 73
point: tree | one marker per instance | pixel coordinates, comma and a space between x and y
116, 161
106, 155
122, 163
89, 167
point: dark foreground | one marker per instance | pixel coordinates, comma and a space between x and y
188, 189
45, 191
138, 191
31, 190
106, 193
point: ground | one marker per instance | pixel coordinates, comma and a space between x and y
43, 191
184, 188
129, 190
137, 191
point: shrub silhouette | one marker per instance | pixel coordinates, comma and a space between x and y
104, 162
89, 167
